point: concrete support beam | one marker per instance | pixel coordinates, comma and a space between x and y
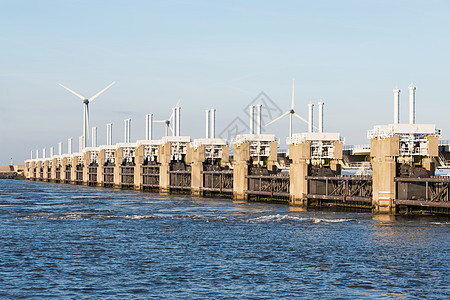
101, 163
195, 158
73, 169
384, 165
86, 163
240, 171
62, 170
165, 160
38, 171
273, 155
53, 170
27, 170
225, 156
45, 173
118, 156
138, 161
298, 185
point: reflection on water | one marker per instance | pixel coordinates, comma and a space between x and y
65, 241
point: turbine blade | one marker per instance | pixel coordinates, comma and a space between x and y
293, 84
298, 116
171, 116
159, 121
178, 103
78, 95
307, 122
98, 94
274, 120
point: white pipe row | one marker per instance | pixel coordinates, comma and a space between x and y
412, 105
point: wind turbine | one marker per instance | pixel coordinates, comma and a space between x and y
86, 102
290, 112
168, 121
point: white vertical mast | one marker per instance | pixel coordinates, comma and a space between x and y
69, 146
258, 118
412, 104
149, 126
310, 119
207, 125
396, 106
213, 123
94, 137
174, 120
321, 116
178, 114
252, 118
109, 134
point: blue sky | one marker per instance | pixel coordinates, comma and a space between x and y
350, 54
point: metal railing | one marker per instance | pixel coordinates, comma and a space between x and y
218, 181
356, 188
269, 185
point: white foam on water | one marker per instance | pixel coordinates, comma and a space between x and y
279, 218
276, 218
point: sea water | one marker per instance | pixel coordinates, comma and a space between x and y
66, 241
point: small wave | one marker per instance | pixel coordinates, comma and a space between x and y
280, 218
318, 220
440, 223
139, 217
276, 218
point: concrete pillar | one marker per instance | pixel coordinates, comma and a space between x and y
138, 161
240, 171
27, 170
196, 157
164, 160
118, 155
86, 163
273, 155
62, 170
38, 170
298, 185
225, 156
73, 169
101, 163
45, 173
383, 154
53, 170
430, 162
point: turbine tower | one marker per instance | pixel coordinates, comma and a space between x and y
86, 102
290, 112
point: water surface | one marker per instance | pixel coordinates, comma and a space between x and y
64, 241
